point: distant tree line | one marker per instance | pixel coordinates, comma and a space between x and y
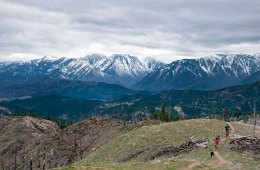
165, 116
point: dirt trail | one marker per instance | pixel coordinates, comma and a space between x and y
193, 165
90, 168
218, 162
232, 130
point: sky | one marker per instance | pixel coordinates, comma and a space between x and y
164, 29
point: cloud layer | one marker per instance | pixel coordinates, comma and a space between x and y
166, 29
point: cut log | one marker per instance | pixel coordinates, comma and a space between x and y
248, 144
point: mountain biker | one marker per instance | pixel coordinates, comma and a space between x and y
227, 129
217, 142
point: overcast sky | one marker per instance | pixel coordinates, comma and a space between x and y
165, 29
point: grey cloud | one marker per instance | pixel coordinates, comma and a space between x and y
143, 27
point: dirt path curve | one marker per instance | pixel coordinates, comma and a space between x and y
218, 162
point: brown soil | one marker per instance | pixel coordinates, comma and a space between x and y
25, 138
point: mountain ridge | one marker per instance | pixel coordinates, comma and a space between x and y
122, 69
205, 73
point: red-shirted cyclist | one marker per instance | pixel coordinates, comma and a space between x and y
217, 142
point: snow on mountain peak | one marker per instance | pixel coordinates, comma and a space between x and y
50, 58
152, 63
123, 57
215, 71
150, 59
229, 63
123, 69
93, 57
126, 69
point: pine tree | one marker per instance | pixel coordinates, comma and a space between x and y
225, 114
164, 116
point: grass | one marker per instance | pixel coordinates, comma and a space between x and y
245, 129
153, 137
125, 166
174, 133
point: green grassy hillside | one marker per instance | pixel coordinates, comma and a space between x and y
140, 144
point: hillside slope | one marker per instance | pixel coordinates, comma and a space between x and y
46, 85
142, 144
23, 138
64, 108
252, 78
194, 103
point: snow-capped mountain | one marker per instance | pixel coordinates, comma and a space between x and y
206, 73
152, 63
120, 69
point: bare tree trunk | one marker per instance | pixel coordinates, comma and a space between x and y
44, 159
3, 166
39, 164
43, 166
81, 150
75, 140
15, 161
30, 164
254, 123
49, 163
254, 129
61, 134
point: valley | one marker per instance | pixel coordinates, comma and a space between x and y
129, 85
238, 100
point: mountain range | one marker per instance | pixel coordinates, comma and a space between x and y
118, 69
206, 73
